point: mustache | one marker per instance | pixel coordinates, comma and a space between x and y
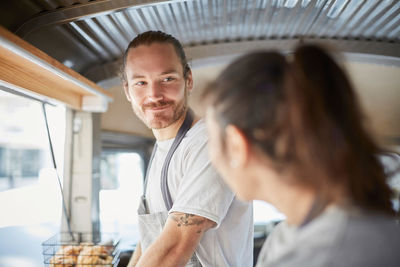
157, 104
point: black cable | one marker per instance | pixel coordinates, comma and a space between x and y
67, 215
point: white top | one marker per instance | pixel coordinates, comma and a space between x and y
336, 238
196, 188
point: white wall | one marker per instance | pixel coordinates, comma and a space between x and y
378, 87
120, 117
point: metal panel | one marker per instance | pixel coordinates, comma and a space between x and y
106, 27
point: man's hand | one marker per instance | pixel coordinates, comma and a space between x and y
177, 242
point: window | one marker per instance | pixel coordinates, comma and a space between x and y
121, 188
264, 213
28, 182
391, 165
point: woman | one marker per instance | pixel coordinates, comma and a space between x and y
290, 132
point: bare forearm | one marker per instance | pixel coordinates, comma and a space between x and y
177, 242
136, 256
161, 254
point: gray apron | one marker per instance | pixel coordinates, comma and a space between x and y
152, 224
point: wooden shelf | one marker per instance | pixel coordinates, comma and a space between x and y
26, 67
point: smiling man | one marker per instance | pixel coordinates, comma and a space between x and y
187, 215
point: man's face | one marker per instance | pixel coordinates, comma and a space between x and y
155, 84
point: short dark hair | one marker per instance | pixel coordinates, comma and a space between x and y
150, 37
303, 114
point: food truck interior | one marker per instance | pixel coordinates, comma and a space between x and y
72, 153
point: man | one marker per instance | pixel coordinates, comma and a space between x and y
188, 216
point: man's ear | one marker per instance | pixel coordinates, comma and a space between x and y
189, 81
126, 90
237, 146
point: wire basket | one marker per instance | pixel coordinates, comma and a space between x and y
81, 250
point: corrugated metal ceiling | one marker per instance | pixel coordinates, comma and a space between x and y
90, 33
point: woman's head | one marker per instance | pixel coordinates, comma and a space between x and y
301, 115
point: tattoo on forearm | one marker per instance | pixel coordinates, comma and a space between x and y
187, 219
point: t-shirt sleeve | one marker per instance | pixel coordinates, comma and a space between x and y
202, 191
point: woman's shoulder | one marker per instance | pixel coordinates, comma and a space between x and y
369, 239
338, 237
364, 224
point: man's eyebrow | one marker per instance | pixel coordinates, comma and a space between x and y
169, 72
137, 76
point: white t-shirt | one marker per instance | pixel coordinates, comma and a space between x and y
196, 188
336, 238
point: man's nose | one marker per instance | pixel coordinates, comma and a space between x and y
154, 93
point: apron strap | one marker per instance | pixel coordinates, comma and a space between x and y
187, 123
164, 172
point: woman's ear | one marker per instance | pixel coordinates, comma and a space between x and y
238, 146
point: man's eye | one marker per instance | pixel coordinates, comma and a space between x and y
168, 79
140, 83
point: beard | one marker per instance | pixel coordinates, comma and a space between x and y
163, 119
